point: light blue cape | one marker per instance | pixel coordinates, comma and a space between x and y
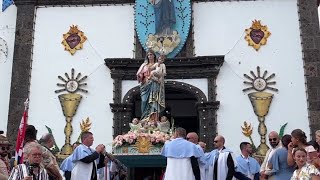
180, 148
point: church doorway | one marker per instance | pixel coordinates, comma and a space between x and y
180, 105
187, 104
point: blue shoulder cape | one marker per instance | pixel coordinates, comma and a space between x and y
180, 148
81, 152
67, 164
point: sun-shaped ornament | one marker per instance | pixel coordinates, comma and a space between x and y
258, 82
72, 84
73, 40
257, 35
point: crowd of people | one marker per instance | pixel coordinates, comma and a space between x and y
289, 158
39, 162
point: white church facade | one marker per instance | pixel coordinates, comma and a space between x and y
209, 83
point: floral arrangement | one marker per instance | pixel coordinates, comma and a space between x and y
156, 138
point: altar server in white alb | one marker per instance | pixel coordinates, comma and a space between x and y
87, 160
179, 153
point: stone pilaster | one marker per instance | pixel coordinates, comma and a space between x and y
21, 67
310, 42
207, 122
121, 117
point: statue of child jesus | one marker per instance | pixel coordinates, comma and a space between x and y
158, 70
164, 124
135, 125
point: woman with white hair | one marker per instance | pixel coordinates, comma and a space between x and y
31, 169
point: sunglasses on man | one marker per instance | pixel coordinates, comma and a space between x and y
273, 139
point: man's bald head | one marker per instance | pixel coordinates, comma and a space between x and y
193, 137
219, 137
274, 133
219, 142
274, 139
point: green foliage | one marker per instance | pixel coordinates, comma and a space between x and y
282, 130
55, 149
49, 129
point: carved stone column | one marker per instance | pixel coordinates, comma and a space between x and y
212, 89
117, 87
121, 117
207, 122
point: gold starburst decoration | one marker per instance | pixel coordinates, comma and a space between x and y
73, 40
143, 144
85, 125
257, 35
246, 129
72, 84
258, 82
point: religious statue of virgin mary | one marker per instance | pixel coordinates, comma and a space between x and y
163, 25
165, 17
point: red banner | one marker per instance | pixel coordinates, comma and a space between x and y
21, 135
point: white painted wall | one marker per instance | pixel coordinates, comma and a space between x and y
7, 32
219, 30
109, 30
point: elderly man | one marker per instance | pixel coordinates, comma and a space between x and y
274, 140
247, 167
86, 160
31, 169
4, 160
179, 153
199, 168
203, 146
193, 137
221, 164
49, 160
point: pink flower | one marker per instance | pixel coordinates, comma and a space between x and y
156, 137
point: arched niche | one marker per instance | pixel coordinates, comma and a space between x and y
176, 85
177, 68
